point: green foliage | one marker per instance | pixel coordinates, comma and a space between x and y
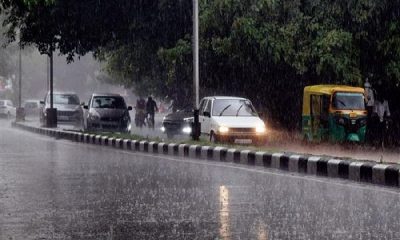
267, 50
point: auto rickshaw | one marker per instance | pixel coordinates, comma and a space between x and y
335, 113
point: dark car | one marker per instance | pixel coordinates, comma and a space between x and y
178, 122
107, 112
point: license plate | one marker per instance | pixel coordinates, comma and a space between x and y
243, 141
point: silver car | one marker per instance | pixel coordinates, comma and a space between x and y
69, 109
107, 112
32, 107
7, 108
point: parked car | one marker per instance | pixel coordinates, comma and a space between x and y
31, 107
69, 109
178, 122
231, 119
7, 108
107, 112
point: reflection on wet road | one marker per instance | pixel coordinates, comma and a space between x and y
55, 189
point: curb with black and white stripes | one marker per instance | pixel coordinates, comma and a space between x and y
359, 171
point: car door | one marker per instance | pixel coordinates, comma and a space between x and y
203, 102
86, 113
11, 108
316, 105
207, 117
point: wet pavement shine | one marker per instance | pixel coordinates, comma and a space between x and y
55, 189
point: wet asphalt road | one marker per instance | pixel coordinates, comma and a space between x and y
55, 189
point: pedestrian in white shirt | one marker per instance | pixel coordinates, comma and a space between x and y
381, 110
369, 95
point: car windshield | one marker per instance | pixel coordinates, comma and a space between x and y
108, 102
65, 99
348, 101
233, 107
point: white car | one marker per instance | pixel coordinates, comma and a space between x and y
231, 119
7, 108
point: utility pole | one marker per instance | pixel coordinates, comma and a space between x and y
20, 116
196, 124
51, 113
51, 79
19, 77
48, 73
196, 53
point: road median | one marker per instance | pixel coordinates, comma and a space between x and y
323, 166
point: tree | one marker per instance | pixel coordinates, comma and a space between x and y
267, 50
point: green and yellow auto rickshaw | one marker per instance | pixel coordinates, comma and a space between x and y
335, 113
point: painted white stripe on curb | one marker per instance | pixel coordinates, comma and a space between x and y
276, 160
294, 163
378, 173
312, 165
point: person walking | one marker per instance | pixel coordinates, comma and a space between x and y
151, 108
382, 112
369, 94
140, 112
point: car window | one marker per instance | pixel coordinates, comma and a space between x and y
2, 103
201, 106
70, 99
348, 101
108, 102
208, 107
233, 107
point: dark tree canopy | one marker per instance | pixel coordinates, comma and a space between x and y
267, 50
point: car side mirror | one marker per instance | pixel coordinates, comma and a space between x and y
129, 108
207, 114
42, 102
85, 106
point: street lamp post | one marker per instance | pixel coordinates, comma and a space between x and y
196, 124
20, 116
51, 113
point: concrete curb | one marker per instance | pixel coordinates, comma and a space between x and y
358, 171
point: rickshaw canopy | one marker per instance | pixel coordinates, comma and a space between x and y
325, 90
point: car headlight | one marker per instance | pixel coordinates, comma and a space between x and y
261, 129
162, 129
223, 129
187, 130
